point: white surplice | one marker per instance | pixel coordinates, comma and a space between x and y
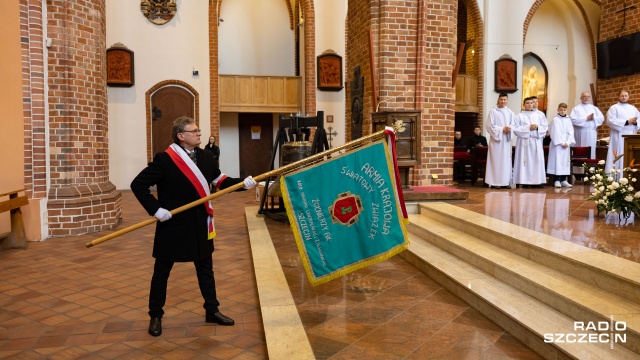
498, 170
561, 131
528, 168
617, 117
586, 131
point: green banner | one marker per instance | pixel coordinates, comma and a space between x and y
345, 213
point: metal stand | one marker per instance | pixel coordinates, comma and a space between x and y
298, 130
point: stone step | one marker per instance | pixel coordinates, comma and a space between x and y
525, 297
607, 272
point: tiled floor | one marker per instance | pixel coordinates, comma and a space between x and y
60, 300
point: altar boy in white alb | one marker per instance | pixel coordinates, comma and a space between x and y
498, 126
530, 128
562, 137
586, 118
622, 118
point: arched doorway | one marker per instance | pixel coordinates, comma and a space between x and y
167, 101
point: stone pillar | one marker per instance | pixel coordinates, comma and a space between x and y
81, 197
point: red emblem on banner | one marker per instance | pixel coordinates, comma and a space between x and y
346, 209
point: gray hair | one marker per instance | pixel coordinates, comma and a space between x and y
178, 126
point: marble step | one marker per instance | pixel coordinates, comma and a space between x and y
460, 232
520, 314
607, 272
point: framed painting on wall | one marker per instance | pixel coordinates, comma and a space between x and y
120, 66
329, 72
534, 80
505, 75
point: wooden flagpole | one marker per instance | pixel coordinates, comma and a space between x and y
398, 127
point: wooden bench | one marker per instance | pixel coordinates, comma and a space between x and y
16, 238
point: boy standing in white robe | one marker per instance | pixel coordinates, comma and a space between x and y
562, 137
530, 128
622, 118
586, 118
498, 126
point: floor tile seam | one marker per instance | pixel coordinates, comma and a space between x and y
548, 273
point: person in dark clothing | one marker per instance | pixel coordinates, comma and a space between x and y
215, 149
182, 174
457, 140
477, 140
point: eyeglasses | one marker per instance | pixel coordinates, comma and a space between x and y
196, 131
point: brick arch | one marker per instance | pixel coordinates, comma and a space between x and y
309, 60
147, 102
592, 43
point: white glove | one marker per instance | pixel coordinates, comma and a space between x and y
162, 215
249, 183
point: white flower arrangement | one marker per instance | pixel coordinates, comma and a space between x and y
613, 192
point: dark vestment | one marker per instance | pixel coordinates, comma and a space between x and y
474, 140
458, 142
183, 238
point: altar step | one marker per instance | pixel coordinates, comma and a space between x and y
529, 283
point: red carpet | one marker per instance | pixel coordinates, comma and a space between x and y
433, 189
434, 192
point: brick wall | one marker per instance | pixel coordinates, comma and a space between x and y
81, 197
414, 54
32, 43
610, 28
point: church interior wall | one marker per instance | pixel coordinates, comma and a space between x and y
230, 158
503, 31
161, 52
255, 38
330, 29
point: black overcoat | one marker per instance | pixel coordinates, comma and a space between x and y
183, 237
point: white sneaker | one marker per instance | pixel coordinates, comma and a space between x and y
565, 184
557, 184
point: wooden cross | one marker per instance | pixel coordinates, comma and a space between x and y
624, 13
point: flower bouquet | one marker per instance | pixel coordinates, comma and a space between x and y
614, 192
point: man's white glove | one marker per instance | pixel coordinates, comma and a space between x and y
162, 215
249, 183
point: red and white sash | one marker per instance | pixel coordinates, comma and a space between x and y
191, 171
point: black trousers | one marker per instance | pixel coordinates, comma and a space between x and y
158, 292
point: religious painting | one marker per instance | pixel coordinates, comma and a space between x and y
120, 66
329, 71
505, 75
534, 80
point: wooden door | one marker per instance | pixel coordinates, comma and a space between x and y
256, 143
168, 104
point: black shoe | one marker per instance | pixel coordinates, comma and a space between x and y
219, 319
155, 327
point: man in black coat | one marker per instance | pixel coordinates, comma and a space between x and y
477, 139
182, 175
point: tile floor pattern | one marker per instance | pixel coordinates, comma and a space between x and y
59, 300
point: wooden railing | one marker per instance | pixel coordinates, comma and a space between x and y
253, 93
467, 93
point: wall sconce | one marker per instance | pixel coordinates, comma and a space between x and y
300, 21
158, 12
473, 53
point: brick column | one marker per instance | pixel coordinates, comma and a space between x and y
414, 52
81, 197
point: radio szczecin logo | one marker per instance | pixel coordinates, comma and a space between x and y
598, 332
